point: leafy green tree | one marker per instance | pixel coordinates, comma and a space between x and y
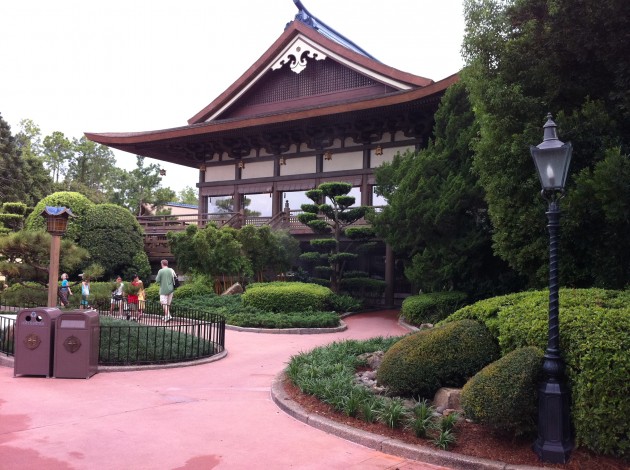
436, 217
114, 239
211, 251
330, 214
29, 139
91, 164
22, 175
25, 256
139, 188
57, 152
268, 250
522, 62
188, 195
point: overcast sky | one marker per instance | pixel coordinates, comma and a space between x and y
134, 65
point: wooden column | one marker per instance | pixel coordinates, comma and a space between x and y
389, 276
53, 270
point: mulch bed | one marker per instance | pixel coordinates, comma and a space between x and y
472, 439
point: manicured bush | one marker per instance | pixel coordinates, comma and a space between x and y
152, 293
421, 363
431, 307
76, 202
503, 395
114, 239
287, 296
595, 343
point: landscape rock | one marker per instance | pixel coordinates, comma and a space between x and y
234, 289
448, 398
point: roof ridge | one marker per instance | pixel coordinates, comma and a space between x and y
307, 18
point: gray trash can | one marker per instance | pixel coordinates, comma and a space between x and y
77, 342
34, 336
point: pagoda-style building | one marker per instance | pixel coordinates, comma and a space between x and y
314, 108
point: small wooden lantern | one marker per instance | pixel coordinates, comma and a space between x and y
57, 219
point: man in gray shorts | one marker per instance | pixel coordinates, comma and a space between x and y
166, 279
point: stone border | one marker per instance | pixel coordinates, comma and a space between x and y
382, 443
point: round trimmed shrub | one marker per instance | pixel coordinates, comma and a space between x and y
431, 307
287, 296
114, 239
76, 202
421, 363
503, 395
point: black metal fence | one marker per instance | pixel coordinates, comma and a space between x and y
130, 336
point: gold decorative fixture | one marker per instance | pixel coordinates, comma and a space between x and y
202, 168
378, 150
328, 155
282, 161
241, 164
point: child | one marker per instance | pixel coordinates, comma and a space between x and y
133, 299
117, 297
85, 292
141, 300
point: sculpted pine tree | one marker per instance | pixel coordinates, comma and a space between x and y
330, 214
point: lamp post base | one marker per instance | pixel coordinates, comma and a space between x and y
554, 444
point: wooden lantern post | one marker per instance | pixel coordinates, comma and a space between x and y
56, 225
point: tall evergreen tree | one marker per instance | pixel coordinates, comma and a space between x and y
529, 57
436, 217
22, 175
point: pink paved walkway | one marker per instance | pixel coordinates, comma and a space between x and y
217, 415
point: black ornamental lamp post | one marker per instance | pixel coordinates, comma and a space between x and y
554, 444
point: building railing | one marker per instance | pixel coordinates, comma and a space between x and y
190, 335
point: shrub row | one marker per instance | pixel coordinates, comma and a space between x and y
287, 297
595, 343
431, 307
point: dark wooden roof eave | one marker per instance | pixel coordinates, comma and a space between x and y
121, 138
158, 144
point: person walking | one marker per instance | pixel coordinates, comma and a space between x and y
64, 290
166, 279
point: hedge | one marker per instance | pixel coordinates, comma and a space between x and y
431, 307
287, 296
595, 343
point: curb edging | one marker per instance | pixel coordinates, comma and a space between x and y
382, 443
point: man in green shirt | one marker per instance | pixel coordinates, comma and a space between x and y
166, 279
